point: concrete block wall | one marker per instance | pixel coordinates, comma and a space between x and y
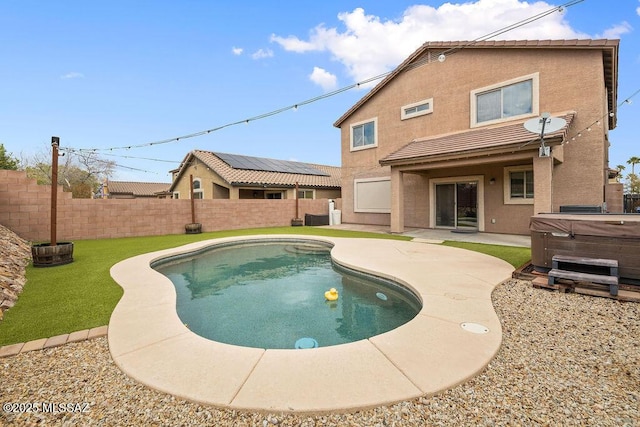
25, 208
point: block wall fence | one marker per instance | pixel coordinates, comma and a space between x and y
25, 209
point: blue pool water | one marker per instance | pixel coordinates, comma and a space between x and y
271, 295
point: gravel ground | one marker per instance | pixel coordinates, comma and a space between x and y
566, 359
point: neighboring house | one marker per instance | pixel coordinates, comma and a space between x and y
440, 142
135, 190
233, 176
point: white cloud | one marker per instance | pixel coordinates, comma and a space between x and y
369, 45
324, 79
72, 75
262, 53
294, 44
237, 50
616, 31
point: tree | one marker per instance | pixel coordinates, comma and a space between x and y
79, 172
633, 184
7, 161
619, 168
633, 161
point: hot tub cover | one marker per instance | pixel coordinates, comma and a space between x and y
610, 225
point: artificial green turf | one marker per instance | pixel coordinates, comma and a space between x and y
515, 255
82, 295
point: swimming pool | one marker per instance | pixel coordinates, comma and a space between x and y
271, 295
432, 352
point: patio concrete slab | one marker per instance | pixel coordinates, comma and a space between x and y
193, 367
437, 354
428, 354
145, 326
346, 376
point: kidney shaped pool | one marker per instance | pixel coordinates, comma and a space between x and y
272, 295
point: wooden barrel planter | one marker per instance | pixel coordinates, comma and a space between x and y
45, 255
193, 228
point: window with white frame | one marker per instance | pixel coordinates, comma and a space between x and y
305, 194
416, 109
508, 100
518, 185
176, 194
364, 134
198, 192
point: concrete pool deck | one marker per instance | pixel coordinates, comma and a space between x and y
453, 338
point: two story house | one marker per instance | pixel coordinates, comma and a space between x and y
441, 141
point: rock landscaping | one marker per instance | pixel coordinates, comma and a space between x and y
15, 255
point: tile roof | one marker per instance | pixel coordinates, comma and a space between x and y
608, 47
509, 136
137, 188
238, 177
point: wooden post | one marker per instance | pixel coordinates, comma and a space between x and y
55, 142
193, 212
297, 195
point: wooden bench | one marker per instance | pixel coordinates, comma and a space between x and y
611, 279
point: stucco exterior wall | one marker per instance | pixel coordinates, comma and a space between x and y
569, 80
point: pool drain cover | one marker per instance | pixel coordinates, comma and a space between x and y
306, 343
476, 328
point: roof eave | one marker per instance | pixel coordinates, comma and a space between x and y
521, 146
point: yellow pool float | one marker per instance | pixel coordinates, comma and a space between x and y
331, 294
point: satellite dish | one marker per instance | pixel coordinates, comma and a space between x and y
551, 124
542, 124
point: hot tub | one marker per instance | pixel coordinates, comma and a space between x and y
609, 236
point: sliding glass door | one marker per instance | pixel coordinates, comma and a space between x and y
457, 205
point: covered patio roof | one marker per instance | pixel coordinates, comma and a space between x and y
477, 142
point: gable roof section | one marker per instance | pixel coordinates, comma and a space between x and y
316, 176
430, 51
140, 189
477, 141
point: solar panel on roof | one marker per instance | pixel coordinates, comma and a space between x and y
238, 161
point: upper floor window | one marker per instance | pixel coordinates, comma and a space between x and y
416, 109
198, 192
507, 100
364, 135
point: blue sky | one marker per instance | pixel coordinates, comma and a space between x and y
117, 73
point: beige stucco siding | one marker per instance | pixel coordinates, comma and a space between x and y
569, 80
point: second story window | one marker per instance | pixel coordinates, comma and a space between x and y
416, 109
364, 135
513, 99
198, 192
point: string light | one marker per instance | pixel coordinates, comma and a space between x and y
610, 114
347, 88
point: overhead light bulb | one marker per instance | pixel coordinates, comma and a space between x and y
442, 57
